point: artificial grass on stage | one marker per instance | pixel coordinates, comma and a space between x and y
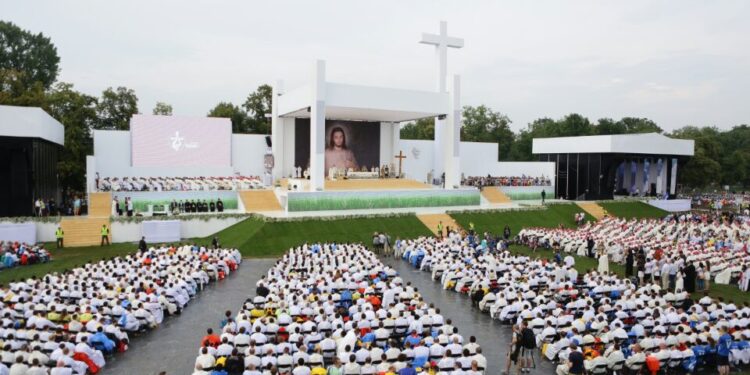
633, 209
494, 222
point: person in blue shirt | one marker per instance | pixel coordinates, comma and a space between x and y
722, 351
100, 341
413, 339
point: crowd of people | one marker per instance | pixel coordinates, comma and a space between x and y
182, 206
481, 181
595, 321
686, 252
725, 200
178, 183
72, 205
71, 322
14, 253
335, 309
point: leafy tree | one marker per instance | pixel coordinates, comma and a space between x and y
115, 108
162, 109
77, 113
232, 112
423, 129
257, 105
481, 124
32, 54
607, 126
15, 91
639, 125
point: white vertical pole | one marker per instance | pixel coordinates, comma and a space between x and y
277, 131
317, 127
452, 136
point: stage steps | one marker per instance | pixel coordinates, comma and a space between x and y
260, 201
593, 209
431, 221
84, 231
494, 195
100, 204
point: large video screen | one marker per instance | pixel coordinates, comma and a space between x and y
349, 144
174, 141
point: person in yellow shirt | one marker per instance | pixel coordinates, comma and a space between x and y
105, 234
59, 236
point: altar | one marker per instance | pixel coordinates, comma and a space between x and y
362, 175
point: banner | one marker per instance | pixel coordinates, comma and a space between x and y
161, 231
351, 145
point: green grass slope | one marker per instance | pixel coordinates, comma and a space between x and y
631, 210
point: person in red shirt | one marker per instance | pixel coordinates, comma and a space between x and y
211, 339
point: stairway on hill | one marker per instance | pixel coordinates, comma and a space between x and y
260, 201
100, 204
83, 231
494, 195
593, 209
431, 221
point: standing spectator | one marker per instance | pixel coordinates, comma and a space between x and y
129, 206
77, 206
105, 234
59, 236
544, 195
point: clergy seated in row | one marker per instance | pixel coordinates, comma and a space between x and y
337, 307
193, 206
179, 183
611, 318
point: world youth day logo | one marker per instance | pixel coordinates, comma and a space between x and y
178, 142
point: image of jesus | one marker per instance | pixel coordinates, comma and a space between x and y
337, 154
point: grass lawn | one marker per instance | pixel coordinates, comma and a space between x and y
273, 239
66, 258
585, 264
631, 210
494, 222
253, 237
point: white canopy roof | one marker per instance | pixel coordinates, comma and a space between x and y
365, 103
30, 122
644, 143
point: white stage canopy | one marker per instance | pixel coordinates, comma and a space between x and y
645, 143
30, 122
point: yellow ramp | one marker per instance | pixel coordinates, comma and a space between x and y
431, 221
593, 209
84, 231
260, 200
493, 194
100, 204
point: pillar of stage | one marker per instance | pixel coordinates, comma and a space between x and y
318, 126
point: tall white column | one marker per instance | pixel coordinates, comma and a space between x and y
673, 182
277, 131
452, 137
318, 127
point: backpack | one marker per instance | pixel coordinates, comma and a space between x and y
528, 339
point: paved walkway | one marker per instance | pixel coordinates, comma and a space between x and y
493, 336
173, 346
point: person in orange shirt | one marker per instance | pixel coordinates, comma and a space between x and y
211, 339
375, 302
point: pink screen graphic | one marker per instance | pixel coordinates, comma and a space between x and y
164, 141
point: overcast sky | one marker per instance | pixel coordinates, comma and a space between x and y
676, 62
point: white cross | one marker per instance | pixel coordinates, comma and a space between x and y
441, 43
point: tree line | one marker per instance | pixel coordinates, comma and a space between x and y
722, 157
29, 67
